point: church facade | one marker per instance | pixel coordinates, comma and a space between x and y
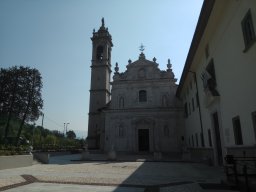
138, 110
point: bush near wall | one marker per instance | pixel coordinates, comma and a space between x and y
12, 150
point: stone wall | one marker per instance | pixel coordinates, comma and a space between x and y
14, 161
242, 151
204, 155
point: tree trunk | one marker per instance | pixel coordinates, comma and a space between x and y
30, 97
21, 126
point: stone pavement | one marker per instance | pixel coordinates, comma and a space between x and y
67, 173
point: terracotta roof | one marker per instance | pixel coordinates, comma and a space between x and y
200, 28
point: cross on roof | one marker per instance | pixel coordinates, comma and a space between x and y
141, 47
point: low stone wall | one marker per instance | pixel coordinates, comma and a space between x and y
14, 161
42, 157
204, 155
242, 151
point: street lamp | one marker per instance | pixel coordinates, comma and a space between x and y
42, 128
65, 128
33, 132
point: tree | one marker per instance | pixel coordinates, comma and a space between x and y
9, 89
57, 133
71, 134
20, 96
50, 140
33, 102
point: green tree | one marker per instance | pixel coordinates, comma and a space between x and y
33, 102
20, 96
71, 134
9, 101
50, 140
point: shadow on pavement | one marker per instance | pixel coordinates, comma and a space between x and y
150, 176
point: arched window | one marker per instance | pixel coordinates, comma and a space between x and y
121, 102
109, 54
99, 53
142, 96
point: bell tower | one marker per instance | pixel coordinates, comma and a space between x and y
100, 83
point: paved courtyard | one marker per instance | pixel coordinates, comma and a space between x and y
66, 173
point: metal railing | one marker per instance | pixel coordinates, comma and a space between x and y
241, 170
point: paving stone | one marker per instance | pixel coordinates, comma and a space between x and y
133, 176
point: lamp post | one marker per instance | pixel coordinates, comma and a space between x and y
65, 128
41, 130
199, 107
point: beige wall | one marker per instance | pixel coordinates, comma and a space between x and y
235, 74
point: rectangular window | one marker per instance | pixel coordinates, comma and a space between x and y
211, 70
248, 30
210, 137
186, 110
197, 99
202, 139
237, 131
211, 82
254, 123
197, 140
193, 104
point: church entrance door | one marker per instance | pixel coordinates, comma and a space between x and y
143, 136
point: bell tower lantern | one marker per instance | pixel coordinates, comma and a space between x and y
100, 83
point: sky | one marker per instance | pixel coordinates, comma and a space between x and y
54, 37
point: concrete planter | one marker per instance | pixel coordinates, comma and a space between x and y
112, 155
14, 161
42, 157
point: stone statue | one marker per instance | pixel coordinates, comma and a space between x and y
116, 68
85, 154
112, 153
102, 22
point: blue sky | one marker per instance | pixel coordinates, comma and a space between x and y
54, 37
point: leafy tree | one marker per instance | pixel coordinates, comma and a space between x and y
20, 96
33, 102
8, 95
57, 134
71, 134
50, 140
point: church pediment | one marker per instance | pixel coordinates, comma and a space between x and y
143, 69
